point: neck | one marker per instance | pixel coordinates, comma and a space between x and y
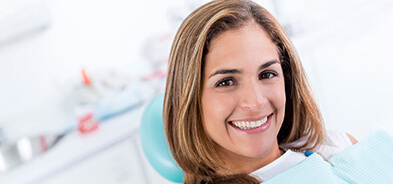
241, 164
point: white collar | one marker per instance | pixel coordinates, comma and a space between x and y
284, 162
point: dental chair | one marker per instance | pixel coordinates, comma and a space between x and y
154, 143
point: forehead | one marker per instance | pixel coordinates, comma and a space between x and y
247, 44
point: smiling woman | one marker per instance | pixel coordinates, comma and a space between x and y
237, 106
243, 109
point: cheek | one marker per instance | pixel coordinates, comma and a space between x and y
278, 98
281, 100
281, 97
216, 108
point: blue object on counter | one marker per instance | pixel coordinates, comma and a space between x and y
154, 142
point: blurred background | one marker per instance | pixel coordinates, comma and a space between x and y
77, 74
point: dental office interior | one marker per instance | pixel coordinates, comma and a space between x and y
77, 77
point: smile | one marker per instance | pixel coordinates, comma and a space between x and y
247, 125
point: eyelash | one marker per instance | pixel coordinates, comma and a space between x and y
270, 73
225, 80
221, 83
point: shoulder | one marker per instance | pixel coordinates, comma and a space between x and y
353, 139
336, 141
338, 138
335, 138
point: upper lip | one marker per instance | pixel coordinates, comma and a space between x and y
251, 119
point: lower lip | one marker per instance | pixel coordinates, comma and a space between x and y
258, 130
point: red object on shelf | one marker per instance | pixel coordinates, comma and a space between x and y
86, 79
87, 123
155, 75
44, 146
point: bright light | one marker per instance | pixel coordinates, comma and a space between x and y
3, 166
25, 149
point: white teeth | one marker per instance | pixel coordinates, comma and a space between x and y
249, 124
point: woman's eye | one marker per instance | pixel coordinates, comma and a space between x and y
267, 75
225, 82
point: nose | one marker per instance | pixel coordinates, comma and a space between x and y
252, 97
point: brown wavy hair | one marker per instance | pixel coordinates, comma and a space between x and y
189, 143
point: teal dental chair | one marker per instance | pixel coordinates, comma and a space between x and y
154, 143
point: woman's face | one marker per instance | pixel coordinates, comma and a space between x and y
243, 96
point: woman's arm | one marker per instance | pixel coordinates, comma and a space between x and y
353, 140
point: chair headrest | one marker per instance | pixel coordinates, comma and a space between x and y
154, 144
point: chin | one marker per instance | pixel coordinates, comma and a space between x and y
253, 153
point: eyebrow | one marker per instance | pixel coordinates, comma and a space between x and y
233, 71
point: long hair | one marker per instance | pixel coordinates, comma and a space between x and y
189, 143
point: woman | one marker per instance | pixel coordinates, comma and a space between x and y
237, 105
